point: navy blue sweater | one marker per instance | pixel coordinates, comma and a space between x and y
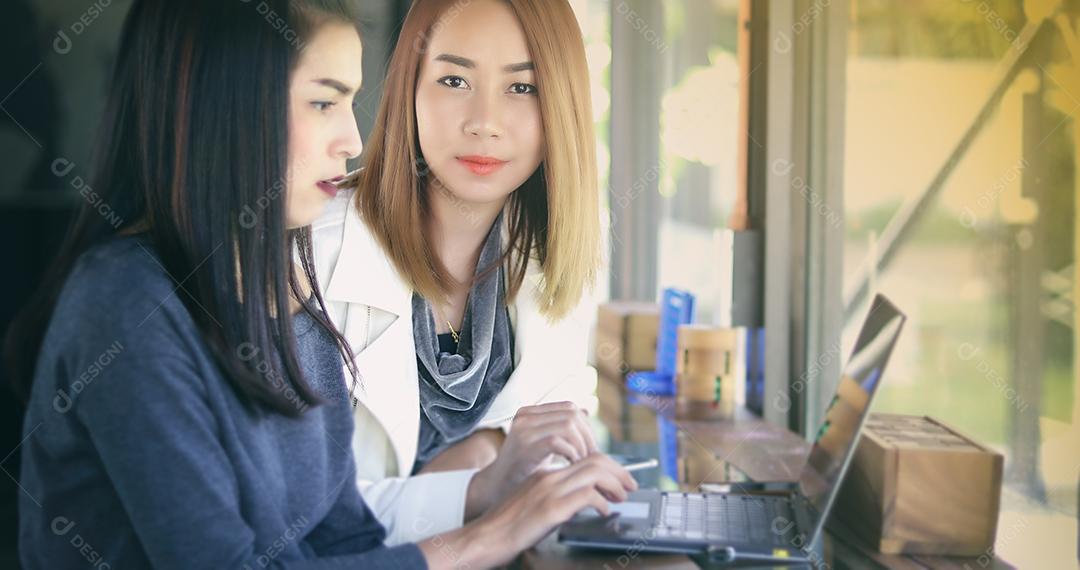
138, 454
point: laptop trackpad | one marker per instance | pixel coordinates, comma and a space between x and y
627, 509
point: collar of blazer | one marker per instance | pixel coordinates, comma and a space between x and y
363, 277
363, 273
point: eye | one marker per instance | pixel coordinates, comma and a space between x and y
523, 89
322, 106
454, 82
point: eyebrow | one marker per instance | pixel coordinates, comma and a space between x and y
470, 64
334, 84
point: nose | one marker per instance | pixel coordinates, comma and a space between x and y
348, 143
483, 120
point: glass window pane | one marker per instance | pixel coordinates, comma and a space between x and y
699, 118
594, 18
988, 274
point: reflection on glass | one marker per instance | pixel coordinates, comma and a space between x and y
698, 136
837, 436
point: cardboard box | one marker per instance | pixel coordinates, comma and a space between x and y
705, 384
626, 337
917, 486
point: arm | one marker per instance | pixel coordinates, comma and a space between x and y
550, 362
479, 450
532, 512
474, 452
157, 439
575, 380
421, 506
428, 504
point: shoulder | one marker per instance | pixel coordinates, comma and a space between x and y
119, 315
341, 232
121, 272
328, 234
340, 220
119, 290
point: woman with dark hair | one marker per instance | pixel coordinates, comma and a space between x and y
187, 402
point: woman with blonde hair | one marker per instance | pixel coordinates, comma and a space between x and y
458, 263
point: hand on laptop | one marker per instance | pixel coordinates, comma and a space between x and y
545, 500
537, 433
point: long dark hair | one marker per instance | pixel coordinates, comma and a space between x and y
194, 155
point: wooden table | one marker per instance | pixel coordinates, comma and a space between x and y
738, 448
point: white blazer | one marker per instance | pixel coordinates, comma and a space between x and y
372, 306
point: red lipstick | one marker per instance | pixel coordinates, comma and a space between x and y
481, 165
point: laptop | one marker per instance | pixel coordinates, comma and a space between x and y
733, 526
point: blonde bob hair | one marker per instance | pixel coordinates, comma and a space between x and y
552, 218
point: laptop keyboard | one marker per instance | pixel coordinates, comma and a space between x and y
730, 518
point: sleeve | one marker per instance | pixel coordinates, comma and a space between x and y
552, 365
339, 535
157, 439
418, 507
578, 386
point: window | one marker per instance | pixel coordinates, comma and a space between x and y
594, 18
987, 268
673, 128
699, 118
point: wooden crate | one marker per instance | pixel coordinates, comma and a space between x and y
918, 486
705, 372
626, 337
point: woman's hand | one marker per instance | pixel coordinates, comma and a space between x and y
474, 452
537, 433
546, 500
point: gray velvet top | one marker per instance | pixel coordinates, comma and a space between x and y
456, 389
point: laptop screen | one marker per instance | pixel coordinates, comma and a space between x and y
834, 443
